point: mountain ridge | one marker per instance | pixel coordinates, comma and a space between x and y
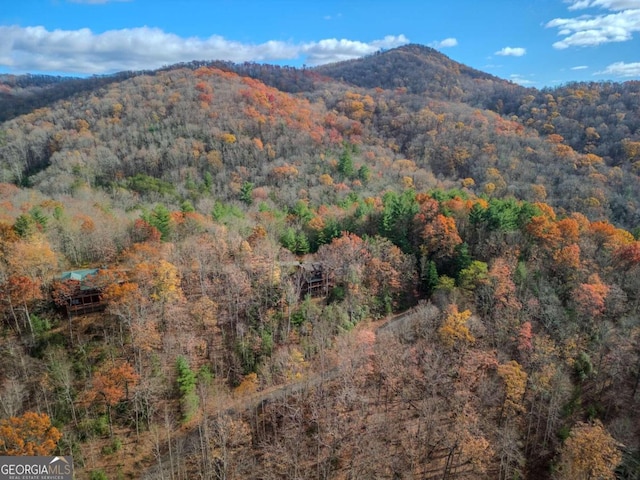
440, 134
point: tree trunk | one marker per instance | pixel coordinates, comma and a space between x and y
15, 317
28, 317
110, 423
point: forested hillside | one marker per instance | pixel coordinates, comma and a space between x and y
392, 267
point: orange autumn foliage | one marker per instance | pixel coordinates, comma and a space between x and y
440, 237
567, 258
569, 230
112, 384
544, 230
609, 237
590, 297
30, 434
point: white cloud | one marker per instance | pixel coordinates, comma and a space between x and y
31, 49
621, 69
512, 52
580, 67
446, 43
608, 4
521, 80
334, 50
592, 30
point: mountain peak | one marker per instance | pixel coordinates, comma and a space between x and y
417, 49
417, 68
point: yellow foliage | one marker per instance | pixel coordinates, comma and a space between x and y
82, 125
454, 329
589, 452
515, 379
631, 150
32, 258
489, 188
204, 310
163, 278
477, 451
274, 273
285, 171
404, 164
248, 385
116, 109
588, 160
539, 192
407, 182
228, 138
542, 378
592, 202
271, 152
481, 202
316, 223
214, 159
564, 151
245, 248
296, 365
493, 173
468, 182
325, 179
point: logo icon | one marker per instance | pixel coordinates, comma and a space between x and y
36, 468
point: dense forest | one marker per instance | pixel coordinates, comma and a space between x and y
391, 267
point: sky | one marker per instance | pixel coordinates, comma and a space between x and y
538, 43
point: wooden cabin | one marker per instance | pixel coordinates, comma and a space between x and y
312, 280
77, 293
309, 278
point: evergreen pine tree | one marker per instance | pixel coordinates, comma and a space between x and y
345, 164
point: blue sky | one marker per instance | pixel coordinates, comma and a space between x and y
533, 42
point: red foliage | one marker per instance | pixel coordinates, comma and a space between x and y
525, 338
205, 97
429, 208
143, 231
203, 87
628, 255
63, 290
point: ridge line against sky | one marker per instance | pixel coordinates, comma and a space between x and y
531, 42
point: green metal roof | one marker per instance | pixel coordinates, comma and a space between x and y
79, 275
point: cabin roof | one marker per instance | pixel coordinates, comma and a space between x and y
78, 275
